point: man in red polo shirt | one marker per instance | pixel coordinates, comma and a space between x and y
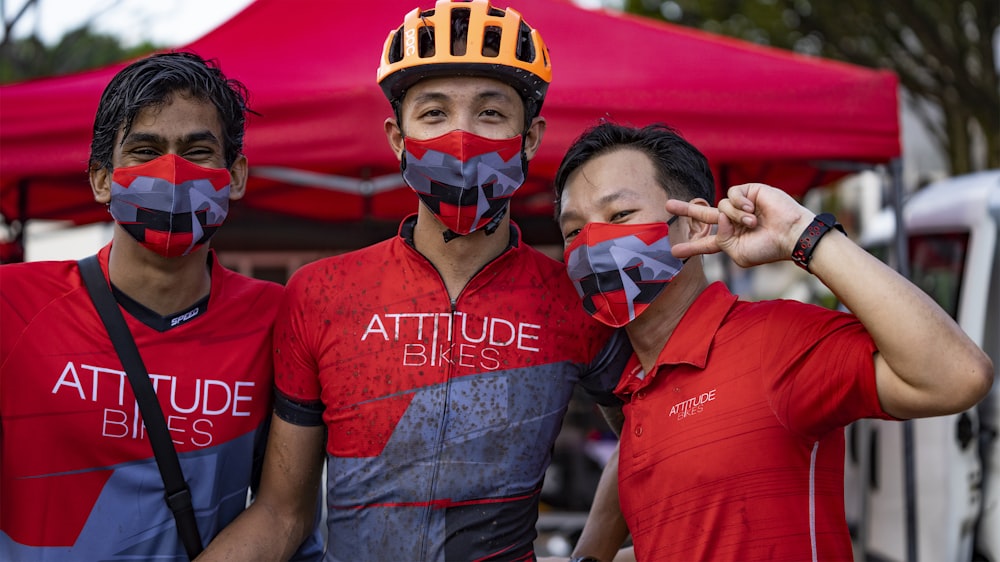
733, 442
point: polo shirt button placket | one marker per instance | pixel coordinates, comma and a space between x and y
639, 395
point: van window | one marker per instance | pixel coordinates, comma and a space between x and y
936, 265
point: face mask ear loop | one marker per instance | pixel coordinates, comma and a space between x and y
494, 223
524, 155
397, 109
670, 222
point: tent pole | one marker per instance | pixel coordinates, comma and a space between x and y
903, 267
22, 217
862, 438
720, 193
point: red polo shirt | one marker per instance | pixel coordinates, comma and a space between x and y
733, 446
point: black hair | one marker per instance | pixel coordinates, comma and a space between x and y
150, 82
681, 169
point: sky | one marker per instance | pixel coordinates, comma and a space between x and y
167, 23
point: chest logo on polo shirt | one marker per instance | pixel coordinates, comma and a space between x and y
692, 406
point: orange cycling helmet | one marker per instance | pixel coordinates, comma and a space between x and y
470, 38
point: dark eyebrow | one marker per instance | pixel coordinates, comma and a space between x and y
202, 136
133, 138
494, 94
429, 97
566, 216
425, 97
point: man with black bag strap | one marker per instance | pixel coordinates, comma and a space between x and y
78, 478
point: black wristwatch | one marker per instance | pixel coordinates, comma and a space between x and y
820, 225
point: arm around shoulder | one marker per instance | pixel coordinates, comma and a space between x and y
605, 530
282, 515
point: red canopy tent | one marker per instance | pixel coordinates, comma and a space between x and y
317, 149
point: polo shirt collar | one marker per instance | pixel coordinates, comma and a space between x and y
690, 341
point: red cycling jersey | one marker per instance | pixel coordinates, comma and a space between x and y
441, 415
78, 480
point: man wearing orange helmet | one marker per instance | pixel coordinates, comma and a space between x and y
435, 366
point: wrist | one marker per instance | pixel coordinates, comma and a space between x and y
584, 559
821, 224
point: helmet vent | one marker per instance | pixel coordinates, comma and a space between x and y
491, 41
395, 53
425, 37
459, 31
525, 47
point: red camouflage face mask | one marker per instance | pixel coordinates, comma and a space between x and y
169, 205
618, 269
464, 179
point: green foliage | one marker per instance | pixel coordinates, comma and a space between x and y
941, 50
80, 49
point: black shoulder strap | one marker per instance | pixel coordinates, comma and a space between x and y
178, 495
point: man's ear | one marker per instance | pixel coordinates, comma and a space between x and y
395, 137
533, 138
696, 228
100, 183
238, 174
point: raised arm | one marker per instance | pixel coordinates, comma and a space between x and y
925, 365
283, 514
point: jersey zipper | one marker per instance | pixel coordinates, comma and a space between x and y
432, 492
442, 431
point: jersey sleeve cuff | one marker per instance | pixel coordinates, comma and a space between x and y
309, 414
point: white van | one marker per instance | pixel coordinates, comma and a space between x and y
954, 255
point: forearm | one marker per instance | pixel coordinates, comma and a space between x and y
605, 530
625, 555
259, 533
284, 512
926, 365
